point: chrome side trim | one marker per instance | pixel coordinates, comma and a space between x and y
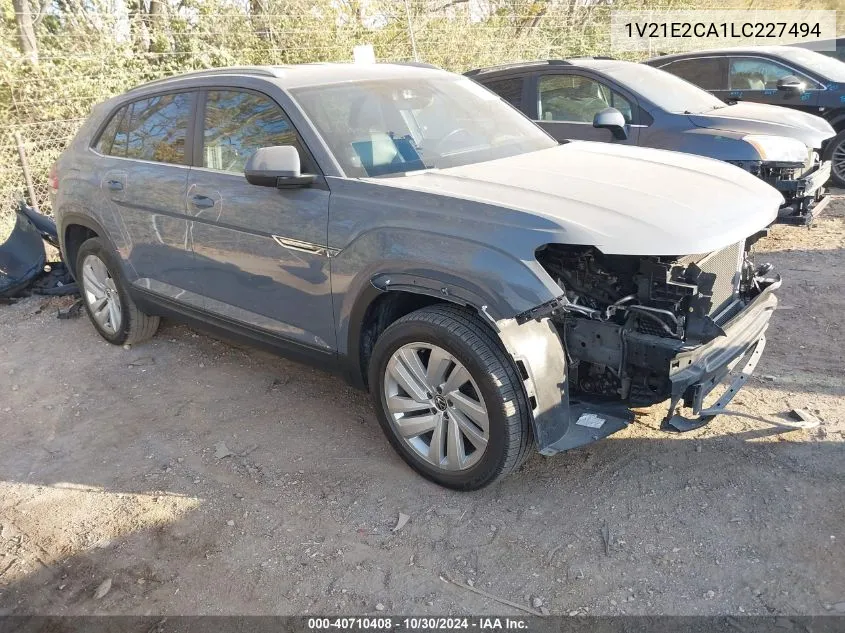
306, 247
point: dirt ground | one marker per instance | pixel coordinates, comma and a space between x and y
112, 477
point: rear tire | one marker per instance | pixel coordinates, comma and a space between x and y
835, 152
107, 302
449, 398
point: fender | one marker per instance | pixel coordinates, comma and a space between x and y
447, 291
710, 143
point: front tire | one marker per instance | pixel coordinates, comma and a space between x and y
449, 398
835, 152
109, 306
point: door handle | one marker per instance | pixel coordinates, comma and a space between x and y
114, 185
202, 202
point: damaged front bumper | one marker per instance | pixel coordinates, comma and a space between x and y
696, 372
562, 422
806, 196
802, 186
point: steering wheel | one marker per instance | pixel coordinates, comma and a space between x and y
454, 132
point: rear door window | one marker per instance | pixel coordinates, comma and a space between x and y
156, 129
708, 72
509, 89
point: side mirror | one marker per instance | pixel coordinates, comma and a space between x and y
791, 85
611, 119
276, 166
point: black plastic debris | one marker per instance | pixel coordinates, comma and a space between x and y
70, 312
24, 269
46, 226
22, 257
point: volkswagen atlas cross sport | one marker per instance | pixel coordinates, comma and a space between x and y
404, 226
786, 76
603, 99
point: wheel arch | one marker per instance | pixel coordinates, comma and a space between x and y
388, 298
74, 230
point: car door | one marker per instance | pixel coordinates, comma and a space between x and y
145, 149
262, 259
755, 79
567, 103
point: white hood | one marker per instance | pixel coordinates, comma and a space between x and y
623, 200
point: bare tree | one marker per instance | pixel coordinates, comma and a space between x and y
26, 30
258, 10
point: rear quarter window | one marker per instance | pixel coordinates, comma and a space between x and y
105, 142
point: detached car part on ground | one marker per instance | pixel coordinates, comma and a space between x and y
494, 291
23, 260
787, 76
607, 100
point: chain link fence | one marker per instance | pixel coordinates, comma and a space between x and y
26, 153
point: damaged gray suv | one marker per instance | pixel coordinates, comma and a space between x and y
403, 226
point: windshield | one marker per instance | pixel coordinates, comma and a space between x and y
828, 67
663, 89
377, 128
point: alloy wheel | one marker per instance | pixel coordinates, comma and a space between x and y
101, 294
435, 406
838, 160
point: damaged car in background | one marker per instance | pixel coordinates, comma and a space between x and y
493, 290
620, 102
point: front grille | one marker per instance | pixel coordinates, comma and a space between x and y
721, 275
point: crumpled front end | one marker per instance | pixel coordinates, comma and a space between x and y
637, 331
802, 185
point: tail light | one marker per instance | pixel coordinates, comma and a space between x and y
53, 179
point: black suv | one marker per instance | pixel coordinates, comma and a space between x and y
781, 75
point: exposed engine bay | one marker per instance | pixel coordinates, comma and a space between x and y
625, 321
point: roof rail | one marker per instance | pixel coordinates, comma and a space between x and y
265, 71
540, 62
415, 64
607, 57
